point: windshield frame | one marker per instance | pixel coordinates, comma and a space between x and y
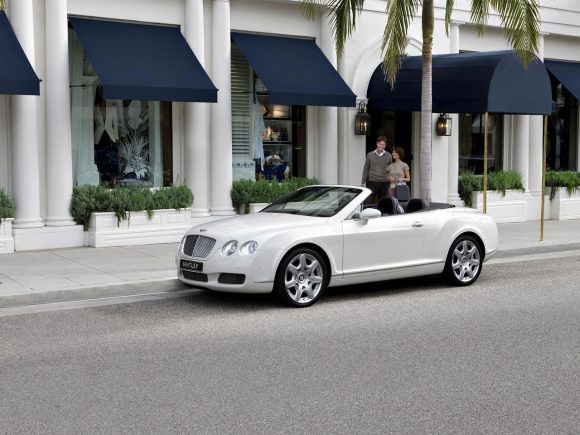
310, 201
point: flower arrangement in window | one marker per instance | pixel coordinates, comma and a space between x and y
134, 147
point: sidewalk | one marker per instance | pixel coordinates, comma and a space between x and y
38, 277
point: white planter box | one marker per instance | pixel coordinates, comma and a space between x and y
255, 207
508, 208
565, 206
6, 238
166, 226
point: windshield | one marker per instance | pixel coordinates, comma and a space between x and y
323, 201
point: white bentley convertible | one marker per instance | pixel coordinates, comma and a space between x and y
322, 236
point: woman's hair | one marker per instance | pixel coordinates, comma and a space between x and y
400, 152
382, 139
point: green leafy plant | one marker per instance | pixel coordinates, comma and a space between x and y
245, 192
566, 179
7, 206
124, 200
468, 183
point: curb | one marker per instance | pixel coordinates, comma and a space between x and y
547, 249
98, 292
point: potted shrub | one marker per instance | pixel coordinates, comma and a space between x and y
564, 194
505, 194
132, 215
7, 210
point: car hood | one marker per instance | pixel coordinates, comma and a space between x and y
257, 223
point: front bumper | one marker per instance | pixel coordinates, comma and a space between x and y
259, 272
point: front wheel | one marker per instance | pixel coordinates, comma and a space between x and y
301, 278
464, 261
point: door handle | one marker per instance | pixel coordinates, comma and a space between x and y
417, 224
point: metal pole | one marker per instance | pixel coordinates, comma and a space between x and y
544, 153
485, 165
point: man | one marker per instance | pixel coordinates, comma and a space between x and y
374, 174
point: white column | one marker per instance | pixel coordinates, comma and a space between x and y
197, 135
578, 143
221, 112
453, 140
58, 120
327, 116
345, 129
24, 126
521, 161
536, 144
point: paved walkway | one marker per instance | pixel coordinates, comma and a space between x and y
37, 277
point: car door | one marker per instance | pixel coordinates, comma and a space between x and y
381, 243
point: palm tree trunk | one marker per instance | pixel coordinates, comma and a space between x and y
426, 100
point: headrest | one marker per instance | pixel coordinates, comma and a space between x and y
389, 205
417, 204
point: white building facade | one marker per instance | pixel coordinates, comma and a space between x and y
62, 138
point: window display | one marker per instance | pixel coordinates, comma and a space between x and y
116, 142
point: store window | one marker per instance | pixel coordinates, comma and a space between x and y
471, 142
562, 129
268, 140
116, 142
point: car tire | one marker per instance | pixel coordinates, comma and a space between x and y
464, 261
301, 278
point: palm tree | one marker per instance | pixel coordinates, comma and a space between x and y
519, 18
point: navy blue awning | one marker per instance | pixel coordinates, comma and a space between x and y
16, 74
143, 62
568, 73
494, 82
294, 70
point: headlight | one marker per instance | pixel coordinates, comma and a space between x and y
229, 248
249, 248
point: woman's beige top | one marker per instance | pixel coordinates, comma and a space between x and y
397, 171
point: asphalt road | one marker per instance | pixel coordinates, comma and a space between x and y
409, 357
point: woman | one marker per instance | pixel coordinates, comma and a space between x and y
398, 171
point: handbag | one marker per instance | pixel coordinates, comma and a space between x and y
402, 192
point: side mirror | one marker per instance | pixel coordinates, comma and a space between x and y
370, 213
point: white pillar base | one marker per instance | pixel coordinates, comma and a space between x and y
224, 211
28, 223
59, 221
200, 212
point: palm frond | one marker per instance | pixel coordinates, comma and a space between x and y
342, 15
400, 15
448, 10
521, 22
310, 7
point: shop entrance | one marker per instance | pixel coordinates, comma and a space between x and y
397, 127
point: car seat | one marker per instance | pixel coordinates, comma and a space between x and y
417, 204
389, 205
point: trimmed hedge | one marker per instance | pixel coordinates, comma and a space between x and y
498, 181
7, 206
122, 201
245, 192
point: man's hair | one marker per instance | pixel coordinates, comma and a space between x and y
382, 139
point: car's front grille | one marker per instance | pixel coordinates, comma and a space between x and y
198, 246
194, 276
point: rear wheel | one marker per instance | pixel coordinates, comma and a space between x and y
464, 261
301, 278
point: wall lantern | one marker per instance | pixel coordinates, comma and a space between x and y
362, 120
444, 125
